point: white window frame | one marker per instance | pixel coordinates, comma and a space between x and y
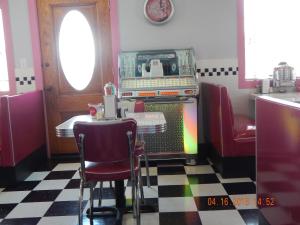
8, 48
265, 38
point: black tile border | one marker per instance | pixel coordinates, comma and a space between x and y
25, 80
218, 71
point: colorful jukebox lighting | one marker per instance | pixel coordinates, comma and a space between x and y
190, 135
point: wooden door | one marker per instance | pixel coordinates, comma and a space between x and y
62, 99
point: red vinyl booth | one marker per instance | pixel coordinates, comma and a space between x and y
232, 137
278, 160
22, 136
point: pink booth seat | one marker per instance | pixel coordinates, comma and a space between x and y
23, 135
278, 160
231, 136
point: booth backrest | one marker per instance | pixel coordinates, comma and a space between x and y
231, 135
227, 121
218, 116
22, 126
212, 109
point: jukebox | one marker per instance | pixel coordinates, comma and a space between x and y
165, 80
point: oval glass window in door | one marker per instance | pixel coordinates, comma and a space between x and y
76, 49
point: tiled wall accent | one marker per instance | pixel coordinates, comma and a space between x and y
221, 71
25, 80
217, 67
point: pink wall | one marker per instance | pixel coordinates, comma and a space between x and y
243, 83
115, 33
35, 42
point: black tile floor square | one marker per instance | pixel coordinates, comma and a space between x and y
21, 186
42, 196
153, 181
253, 216
203, 179
56, 175
240, 188
74, 183
174, 191
153, 202
180, 218
176, 201
65, 208
5, 209
170, 170
107, 193
21, 221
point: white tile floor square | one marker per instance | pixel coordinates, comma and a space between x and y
29, 210
36, 176
232, 180
52, 184
221, 217
245, 201
146, 219
72, 195
202, 169
58, 220
152, 171
66, 166
178, 204
208, 189
12, 197
151, 192
172, 179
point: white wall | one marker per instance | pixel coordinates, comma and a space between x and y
22, 48
207, 25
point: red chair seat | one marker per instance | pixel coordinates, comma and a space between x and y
109, 171
243, 127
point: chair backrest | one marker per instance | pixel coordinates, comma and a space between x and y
105, 141
217, 115
139, 106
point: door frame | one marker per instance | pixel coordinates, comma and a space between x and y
37, 55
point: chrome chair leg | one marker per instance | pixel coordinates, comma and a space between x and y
141, 184
141, 137
147, 169
100, 194
91, 201
137, 198
80, 202
133, 194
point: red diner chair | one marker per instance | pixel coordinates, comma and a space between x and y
139, 106
105, 159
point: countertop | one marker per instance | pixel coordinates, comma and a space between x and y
288, 96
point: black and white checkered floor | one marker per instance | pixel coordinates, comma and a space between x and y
192, 195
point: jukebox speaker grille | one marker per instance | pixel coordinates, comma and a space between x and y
171, 140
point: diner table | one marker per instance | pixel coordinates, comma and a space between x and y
147, 123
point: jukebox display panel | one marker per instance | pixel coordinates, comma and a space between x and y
166, 81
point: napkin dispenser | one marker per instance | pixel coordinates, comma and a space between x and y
110, 106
